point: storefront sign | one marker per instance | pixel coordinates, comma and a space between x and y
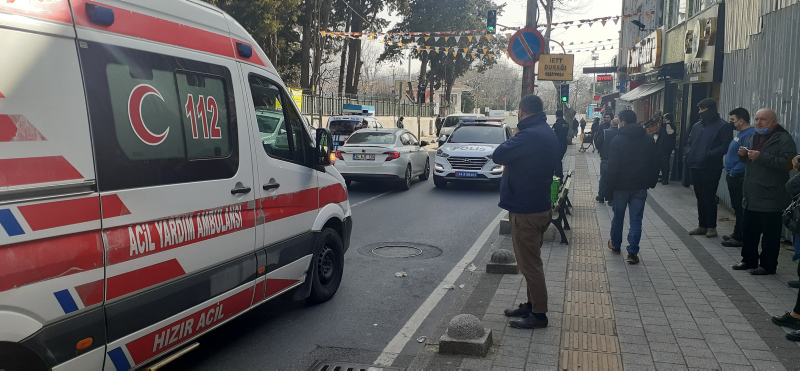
604, 78
556, 67
646, 53
700, 47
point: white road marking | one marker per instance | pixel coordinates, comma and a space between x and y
399, 341
370, 199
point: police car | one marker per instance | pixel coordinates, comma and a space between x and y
463, 156
156, 181
355, 117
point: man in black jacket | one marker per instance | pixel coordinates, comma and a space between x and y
632, 169
561, 128
708, 144
604, 143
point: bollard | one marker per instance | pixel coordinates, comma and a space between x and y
502, 262
466, 336
505, 225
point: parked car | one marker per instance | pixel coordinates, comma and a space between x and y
158, 181
464, 156
388, 155
450, 122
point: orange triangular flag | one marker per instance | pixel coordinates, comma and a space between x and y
484, 51
469, 38
648, 15
491, 55
428, 48
465, 50
488, 37
427, 37
446, 38
454, 53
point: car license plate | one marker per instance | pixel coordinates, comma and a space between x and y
466, 174
364, 157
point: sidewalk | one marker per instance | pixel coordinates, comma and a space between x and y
682, 307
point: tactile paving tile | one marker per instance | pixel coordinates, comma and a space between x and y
588, 338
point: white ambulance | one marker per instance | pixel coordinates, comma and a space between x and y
156, 181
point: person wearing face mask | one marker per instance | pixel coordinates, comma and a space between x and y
740, 120
707, 144
666, 144
766, 155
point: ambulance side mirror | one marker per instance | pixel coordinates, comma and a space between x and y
324, 146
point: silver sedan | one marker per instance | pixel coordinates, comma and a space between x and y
393, 155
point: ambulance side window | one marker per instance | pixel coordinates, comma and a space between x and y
281, 129
158, 119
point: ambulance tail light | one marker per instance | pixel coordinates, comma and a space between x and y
392, 155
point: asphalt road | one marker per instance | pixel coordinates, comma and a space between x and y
372, 304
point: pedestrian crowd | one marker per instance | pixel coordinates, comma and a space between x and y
757, 161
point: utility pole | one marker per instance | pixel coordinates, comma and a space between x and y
528, 72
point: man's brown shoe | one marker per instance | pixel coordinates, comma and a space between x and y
698, 231
613, 250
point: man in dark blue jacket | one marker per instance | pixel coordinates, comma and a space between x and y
707, 144
740, 119
632, 169
530, 159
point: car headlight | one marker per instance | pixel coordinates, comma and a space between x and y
438, 167
441, 153
498, 169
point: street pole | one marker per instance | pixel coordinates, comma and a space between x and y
528, 73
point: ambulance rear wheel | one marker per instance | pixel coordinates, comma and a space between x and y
14, 357
327, 266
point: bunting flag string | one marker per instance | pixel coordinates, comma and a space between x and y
470, 34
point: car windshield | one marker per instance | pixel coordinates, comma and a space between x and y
343, 127
268, 120
371, 138
478, 134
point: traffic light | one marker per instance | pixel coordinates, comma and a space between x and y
491, 21
565, 93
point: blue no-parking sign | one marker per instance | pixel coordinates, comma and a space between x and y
525, 46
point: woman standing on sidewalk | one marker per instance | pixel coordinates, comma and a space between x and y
792, 319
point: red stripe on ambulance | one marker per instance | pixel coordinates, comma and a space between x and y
114, 207
289, 204
60, 213
276, 285
51, 10
175, 333
30, 262
332, 194
134, 241
32, 170
16, 128
91, 293
136, 280
130, 23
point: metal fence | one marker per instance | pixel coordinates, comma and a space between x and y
332, 105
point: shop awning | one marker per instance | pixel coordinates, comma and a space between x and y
643, 91
609, 97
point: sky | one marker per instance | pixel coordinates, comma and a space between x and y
514, 16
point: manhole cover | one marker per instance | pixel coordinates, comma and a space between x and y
404, 250
347, 366
397, 251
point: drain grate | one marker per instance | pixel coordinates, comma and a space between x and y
345, 366
397, 251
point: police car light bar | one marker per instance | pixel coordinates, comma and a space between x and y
357, 109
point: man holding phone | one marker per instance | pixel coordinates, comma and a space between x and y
767, 155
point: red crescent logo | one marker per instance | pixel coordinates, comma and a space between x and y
135, 115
